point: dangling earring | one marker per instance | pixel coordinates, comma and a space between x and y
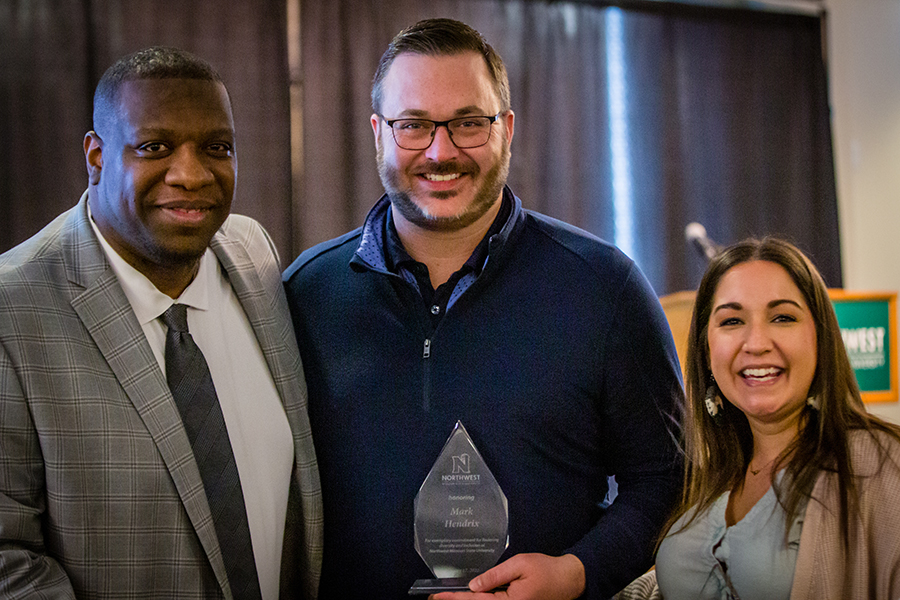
713, 399
814, 402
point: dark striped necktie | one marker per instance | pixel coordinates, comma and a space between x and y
195, 395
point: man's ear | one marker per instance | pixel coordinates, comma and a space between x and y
376, 129
93, 155
510, 120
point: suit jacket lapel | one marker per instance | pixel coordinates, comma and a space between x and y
107, 315
255, 301
270, 318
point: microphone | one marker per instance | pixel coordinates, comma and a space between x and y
695, 234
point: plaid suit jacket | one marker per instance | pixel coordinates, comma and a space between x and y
100, 495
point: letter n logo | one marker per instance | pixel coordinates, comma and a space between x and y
461, 463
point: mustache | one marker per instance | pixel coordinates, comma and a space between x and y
446, 168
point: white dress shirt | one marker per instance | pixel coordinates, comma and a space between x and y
257, 426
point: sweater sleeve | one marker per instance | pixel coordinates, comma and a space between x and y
640, 405
872, 567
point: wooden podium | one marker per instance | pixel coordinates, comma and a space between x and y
868, 322
679, 307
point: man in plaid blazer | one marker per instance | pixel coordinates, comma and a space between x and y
100, 492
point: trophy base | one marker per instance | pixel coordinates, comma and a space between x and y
423, 587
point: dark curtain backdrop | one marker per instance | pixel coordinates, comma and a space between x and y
53, 52
630, 122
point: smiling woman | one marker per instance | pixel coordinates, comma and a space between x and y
761, 344
787, 474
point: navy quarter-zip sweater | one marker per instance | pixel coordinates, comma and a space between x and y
557, 359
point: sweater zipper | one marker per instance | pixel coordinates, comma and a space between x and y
426, 375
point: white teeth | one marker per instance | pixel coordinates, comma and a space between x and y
433, 177
771, 371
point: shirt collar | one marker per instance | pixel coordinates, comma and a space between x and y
396, 255
146, 300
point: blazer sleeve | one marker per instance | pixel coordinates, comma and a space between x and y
26, 571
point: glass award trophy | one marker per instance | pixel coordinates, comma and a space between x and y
461, 517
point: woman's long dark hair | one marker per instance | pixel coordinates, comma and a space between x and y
719, 452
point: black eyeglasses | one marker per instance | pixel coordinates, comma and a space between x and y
465, 132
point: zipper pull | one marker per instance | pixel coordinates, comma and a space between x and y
427, 351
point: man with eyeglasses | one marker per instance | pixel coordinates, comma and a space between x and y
451, 303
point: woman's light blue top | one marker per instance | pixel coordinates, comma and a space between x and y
695, 563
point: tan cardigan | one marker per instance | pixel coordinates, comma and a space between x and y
872, 570
822, 572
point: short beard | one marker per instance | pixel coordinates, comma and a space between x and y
485, 197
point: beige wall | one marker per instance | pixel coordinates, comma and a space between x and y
864, 68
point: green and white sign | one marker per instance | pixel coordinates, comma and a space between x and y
865, 327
